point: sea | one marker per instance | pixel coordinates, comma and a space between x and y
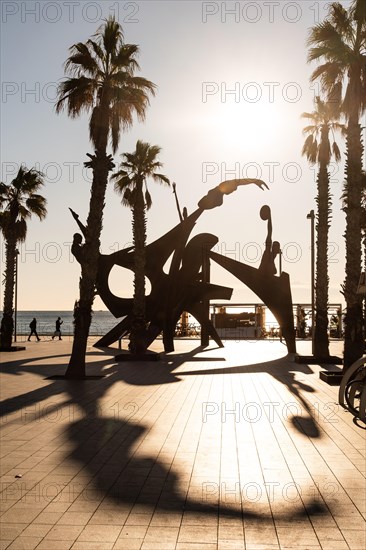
102, 322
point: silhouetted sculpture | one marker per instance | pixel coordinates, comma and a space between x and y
77, 247
215, 197
267, 264
274, 291
185, 287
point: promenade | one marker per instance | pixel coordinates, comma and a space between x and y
238, 448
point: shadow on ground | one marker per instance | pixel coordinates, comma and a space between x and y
103, 446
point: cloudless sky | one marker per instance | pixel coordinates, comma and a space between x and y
232, 83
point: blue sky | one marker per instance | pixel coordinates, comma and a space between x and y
232, 83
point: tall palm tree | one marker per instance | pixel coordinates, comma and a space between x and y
131, 183
339, 43
18, 202
317, 149
363, 233
101, 81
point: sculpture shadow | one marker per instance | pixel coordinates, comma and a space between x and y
283, 370
106, 448
160, 372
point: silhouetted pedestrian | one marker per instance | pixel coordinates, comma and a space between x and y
33, 327
58, 328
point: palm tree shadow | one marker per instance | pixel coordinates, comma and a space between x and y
22, 402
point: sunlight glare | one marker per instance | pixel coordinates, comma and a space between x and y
247, 124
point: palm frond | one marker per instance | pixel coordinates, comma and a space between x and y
36, 204
98, 51
102, 82
125, 58
81, 61
340, 19
160, 178
323, 32
111, 35
136, 168
76, 95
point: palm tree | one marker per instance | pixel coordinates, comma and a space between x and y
102, 82
131, 183
363, 233
317, 149
18, 202
339, 43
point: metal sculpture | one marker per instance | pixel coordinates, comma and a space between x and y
186, 286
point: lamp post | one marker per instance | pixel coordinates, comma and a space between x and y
311, 216
16, 294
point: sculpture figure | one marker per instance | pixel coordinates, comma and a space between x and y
186, 287
267, 264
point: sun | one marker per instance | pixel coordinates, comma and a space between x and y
251, 124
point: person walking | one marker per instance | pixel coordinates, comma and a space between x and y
33, 327
58, 328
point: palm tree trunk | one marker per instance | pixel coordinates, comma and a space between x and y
7, 323
137, 337
101, 165
321, 341
354, 338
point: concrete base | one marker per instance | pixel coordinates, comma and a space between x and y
333, 378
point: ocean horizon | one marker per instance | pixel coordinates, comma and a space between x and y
102, 322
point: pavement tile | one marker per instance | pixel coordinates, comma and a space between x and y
355, 538
93, 546
234, 544
55, 545
139, 519
64, 532
133, 532
75, 518
110, 517
11, 531
19, 516
25, 543
48, 517
162, 535
197, 533
166, 520
128, 544
36, 530
99, 533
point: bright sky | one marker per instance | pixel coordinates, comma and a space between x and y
232, 83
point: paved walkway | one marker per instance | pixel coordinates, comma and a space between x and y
223, 449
